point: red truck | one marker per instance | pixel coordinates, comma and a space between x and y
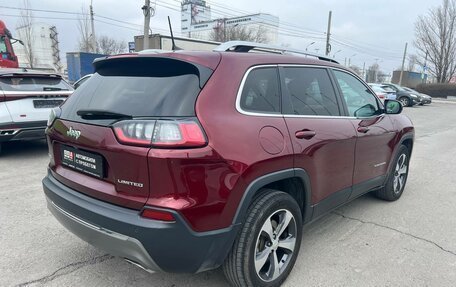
7, 59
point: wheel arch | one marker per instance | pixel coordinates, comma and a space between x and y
294, 181
407, 140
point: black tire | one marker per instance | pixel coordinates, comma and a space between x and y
393, 189
405, 101
239, 266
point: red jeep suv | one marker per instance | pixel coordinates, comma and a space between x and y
187, 161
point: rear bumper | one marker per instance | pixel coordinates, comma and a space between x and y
154, 245
22, 131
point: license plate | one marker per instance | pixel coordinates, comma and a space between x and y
43, 104
82, 161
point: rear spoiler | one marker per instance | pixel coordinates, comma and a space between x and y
136, 65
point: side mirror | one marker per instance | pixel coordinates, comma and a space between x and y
393, 107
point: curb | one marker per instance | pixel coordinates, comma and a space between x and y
443, 102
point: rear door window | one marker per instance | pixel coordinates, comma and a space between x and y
311, 91
261, 92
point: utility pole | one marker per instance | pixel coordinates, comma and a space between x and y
146, 12
94, 38
403, 62
328, 34
224, 29
364, 71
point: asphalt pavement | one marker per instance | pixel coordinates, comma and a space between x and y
369, 242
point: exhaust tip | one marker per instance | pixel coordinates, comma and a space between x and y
8, 132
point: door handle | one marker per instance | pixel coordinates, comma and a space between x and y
305, 134
363, 129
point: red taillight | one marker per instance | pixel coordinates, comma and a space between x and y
160, 133
155, 214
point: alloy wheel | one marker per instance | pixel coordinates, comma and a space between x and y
404, 101
400, 173
275, 245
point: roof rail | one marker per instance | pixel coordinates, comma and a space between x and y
244, 46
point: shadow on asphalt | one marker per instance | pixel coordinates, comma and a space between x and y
23, 149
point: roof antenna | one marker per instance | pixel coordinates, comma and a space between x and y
174, 47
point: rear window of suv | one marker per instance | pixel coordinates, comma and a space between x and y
146, 87
33, 84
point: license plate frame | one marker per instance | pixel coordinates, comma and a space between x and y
82, 161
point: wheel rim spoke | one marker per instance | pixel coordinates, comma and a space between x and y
284, 222
400, 181
261, 258
275, 266
403, 170
267, 229
288, 243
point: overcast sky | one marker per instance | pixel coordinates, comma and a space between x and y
370, 29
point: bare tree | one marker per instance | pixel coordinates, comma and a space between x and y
413, 60
372, 73
85, 34
436, 36
110, 46
25, 30
357, 70
239, 32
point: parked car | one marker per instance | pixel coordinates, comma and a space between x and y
407, 98
82, 80
424, 99
26, 100
383, 92
187, 161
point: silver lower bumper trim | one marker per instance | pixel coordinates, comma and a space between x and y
114, 243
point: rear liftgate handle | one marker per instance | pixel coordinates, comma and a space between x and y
305, 134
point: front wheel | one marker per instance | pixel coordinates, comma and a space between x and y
405, 101
397, 178
268, 244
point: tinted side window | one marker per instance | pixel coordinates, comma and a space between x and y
360, 101
261, 91
311, 91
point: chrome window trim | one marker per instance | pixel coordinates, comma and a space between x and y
258, 114
241, 88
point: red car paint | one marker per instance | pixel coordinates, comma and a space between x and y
7, 58
206, 184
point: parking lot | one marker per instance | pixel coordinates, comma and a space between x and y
369, 242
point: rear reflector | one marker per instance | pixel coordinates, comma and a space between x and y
158, 215
160, 133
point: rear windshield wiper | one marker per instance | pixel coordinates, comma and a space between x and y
101, 114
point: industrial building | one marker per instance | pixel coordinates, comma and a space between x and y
197, 22
44, 46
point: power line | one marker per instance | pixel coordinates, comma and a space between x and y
43, 10
40, 17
